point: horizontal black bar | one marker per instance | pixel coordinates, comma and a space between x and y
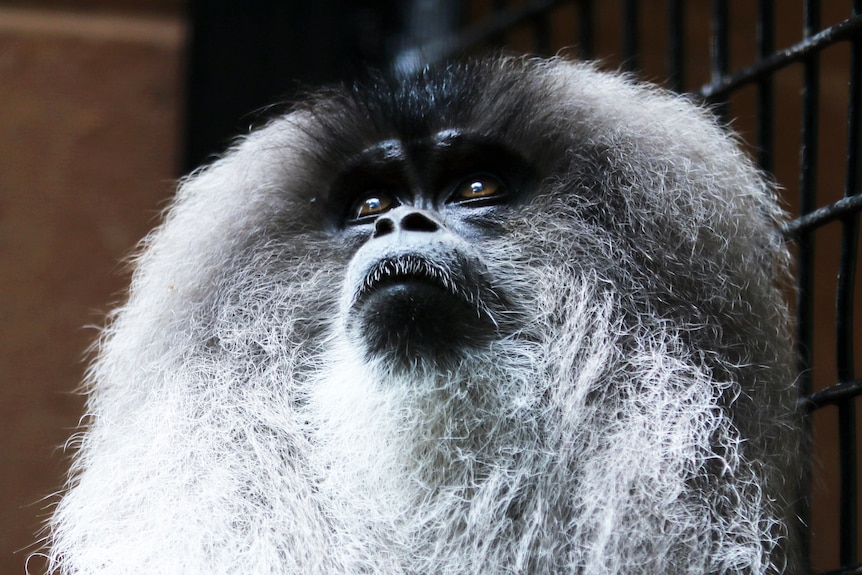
831, 395
798, 51
820, 216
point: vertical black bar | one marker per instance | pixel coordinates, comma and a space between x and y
720, 51
676, 45
807, 199
805, 242
807, 203
765, 112
498, 6
631, 39
844, 313
586, 35
542, 32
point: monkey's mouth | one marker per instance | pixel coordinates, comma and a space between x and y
402, 272
407, 306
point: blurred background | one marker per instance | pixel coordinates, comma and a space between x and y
104, 103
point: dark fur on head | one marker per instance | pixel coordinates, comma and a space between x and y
613, 392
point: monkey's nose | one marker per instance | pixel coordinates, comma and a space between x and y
405, 219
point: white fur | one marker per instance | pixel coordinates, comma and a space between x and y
605, 436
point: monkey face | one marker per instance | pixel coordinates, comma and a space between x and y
418, 287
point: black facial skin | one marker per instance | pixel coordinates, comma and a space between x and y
418, 287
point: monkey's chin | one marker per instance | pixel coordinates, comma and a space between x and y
412, 321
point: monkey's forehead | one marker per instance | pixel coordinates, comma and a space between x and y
522, 102
497, 98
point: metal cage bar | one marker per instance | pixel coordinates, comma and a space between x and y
676, 44
720, 57
631, 34
765, 95
807, 197
586, 29
844, 311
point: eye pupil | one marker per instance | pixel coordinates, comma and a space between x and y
372, 204
478, 187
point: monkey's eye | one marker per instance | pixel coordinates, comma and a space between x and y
481, 187
371, 205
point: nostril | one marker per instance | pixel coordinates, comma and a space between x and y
383, 226
418, 222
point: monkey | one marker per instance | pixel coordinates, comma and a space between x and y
506, 315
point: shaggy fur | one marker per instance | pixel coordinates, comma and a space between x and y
634, 414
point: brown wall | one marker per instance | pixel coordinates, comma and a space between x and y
89, 128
